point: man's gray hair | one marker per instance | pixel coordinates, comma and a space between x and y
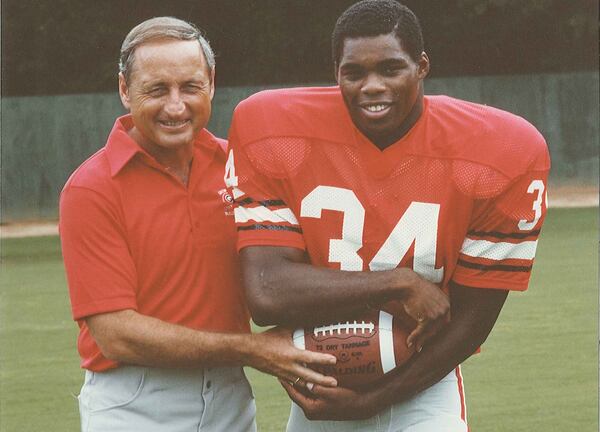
161, 28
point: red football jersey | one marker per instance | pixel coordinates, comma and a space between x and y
461, 197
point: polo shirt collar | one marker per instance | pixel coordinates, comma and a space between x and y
121, 148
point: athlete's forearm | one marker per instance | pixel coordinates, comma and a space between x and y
282, 288
474, 313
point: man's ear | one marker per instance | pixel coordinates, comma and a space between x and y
124, 91
424, 65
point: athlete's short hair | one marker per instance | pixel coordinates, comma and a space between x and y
378, 17
161, 28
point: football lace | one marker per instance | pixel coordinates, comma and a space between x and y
347, 328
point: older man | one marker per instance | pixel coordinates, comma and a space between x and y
150, 256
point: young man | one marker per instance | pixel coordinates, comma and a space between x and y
342, 191
150, 256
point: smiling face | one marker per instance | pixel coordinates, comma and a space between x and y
381, 84
169, 95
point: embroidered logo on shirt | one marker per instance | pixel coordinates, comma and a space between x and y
227, 202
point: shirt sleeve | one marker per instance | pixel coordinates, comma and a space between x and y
499, 248
100, 271
262, 208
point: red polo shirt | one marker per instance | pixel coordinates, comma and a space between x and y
134, 237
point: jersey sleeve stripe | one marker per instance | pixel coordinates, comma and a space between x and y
265, 203
499, 250
494, 267
501, 235
259, 227
263, 214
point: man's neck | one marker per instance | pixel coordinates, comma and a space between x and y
384, 142
177, 161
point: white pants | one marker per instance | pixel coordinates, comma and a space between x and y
440, 408
133, 398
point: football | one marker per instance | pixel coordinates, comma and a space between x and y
366, 348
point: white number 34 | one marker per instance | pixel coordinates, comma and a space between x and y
418, 225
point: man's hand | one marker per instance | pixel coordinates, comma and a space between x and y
427, 304
274, 353
322, 403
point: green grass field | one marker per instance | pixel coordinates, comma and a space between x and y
538, 370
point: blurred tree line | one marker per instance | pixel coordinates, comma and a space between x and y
72, 46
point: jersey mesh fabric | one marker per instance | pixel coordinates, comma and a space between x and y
447, 199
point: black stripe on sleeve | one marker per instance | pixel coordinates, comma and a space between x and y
272, 203
265, 203
270, 227
500, 235
491, 267
244, 201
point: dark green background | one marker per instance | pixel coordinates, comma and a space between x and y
71, 46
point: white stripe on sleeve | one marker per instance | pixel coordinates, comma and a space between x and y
499, 250
264, 214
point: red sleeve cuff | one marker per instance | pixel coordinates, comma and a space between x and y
114, 304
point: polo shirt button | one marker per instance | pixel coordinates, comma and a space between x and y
208, 384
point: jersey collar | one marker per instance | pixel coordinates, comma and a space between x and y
380, 163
